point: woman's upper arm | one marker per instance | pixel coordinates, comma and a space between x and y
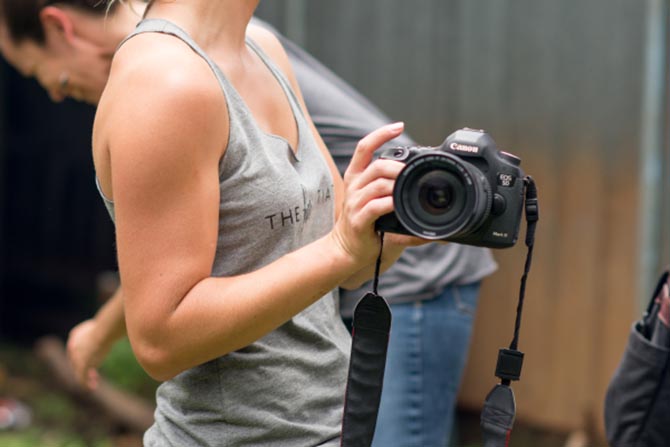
165, 135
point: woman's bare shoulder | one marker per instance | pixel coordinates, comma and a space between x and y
163, 65
158, 89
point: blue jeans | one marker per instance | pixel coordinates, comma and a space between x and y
427, 352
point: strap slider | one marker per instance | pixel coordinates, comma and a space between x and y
532, 210
509, 364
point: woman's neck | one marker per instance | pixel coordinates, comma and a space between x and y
216, 24
107, 31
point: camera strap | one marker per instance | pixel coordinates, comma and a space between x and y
498, 413
370, 335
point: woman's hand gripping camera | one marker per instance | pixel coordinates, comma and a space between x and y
368, 195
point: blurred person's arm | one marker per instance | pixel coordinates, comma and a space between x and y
90, 341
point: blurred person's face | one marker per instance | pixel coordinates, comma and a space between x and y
67, 64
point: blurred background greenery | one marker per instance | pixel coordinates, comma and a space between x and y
59, 418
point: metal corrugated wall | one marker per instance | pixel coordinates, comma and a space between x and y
515, 67
565, 85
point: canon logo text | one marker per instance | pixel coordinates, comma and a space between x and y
464, 148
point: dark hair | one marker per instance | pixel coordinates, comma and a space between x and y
22, 16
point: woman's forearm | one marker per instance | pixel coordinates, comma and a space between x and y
221, 315
110, 320
90, 341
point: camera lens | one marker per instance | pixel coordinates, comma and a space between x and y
437, 195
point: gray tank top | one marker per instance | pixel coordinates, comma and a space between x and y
343, 116
286, 389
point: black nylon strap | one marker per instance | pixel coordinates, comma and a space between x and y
370, 334
499, 411
532, 216
378, 264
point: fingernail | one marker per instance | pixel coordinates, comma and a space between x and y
396, 127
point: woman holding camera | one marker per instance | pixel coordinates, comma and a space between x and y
233, 228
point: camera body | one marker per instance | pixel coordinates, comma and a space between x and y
464, 191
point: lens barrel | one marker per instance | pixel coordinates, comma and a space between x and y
438, 196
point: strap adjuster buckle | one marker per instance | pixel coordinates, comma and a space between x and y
532, 210
509, 364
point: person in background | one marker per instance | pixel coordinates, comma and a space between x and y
432, 289
68, 46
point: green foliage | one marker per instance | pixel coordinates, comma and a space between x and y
42, 438
58, 420
54, 408
122, 369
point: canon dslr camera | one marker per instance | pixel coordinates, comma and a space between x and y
464, 191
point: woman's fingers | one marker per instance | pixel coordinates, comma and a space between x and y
388, 169
368, 193
93, 379
375, 208
369, 144
378, 188
379, 170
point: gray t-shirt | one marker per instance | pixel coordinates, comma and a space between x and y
343, 116
286, 389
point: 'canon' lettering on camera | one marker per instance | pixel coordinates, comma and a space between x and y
464, 191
